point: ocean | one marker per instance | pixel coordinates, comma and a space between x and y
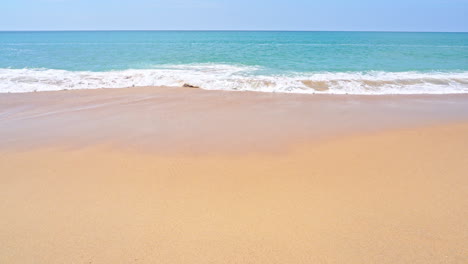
265, 61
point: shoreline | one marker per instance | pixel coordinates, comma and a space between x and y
238, 77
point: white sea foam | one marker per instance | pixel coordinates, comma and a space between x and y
243, 78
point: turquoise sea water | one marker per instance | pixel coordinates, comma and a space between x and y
303, 62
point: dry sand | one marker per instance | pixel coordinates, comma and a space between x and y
392, 189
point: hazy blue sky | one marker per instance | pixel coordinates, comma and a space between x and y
389, 15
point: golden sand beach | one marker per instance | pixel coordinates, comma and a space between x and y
172, 175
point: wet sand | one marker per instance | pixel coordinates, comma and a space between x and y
170, 175
176, 120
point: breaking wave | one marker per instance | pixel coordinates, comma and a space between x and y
239, 78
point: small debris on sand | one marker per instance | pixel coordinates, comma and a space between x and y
186, 85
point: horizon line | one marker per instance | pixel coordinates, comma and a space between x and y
222, 30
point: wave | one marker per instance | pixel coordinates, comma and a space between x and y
240, 78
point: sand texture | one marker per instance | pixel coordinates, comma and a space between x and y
388, 191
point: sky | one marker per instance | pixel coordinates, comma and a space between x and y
334, 15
